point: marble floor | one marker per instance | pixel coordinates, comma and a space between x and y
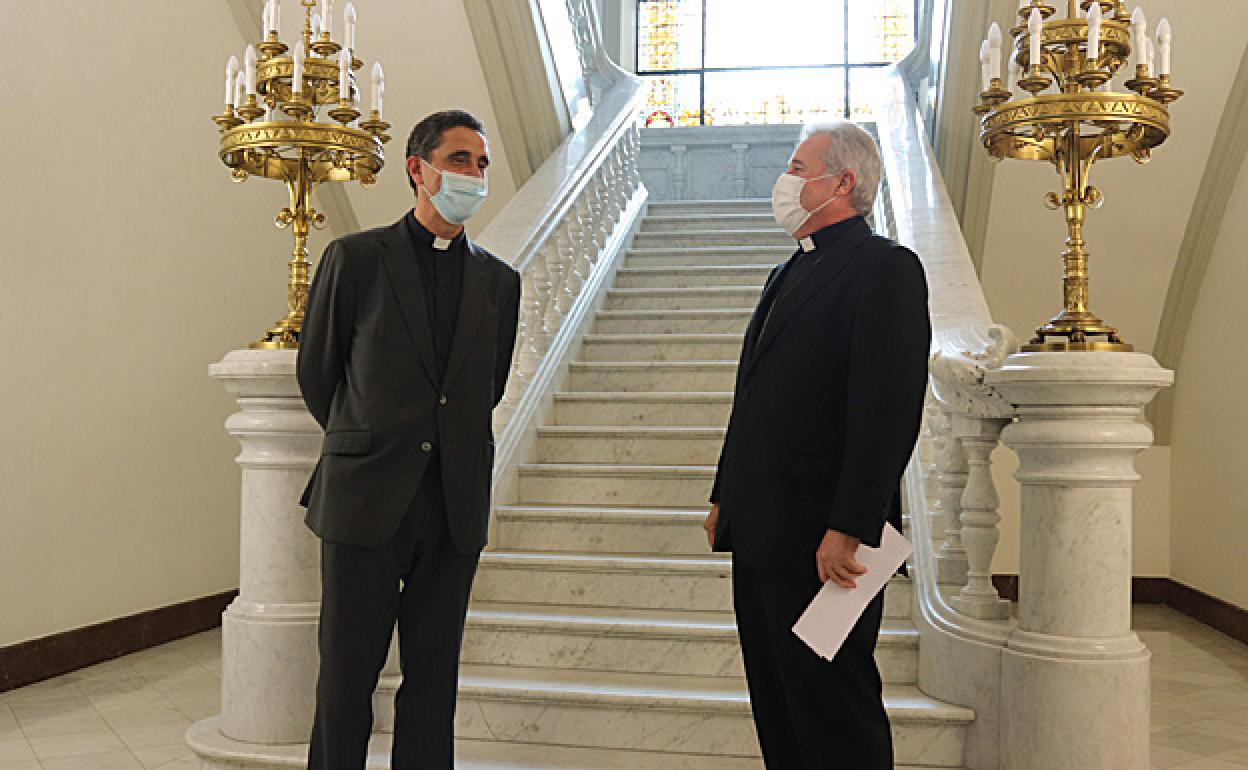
131, 713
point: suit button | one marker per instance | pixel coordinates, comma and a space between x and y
442, 400
427, 446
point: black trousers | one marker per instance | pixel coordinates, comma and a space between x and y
810, 713
419, 580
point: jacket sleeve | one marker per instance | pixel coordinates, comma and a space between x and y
508, 317
890, 338
719, 467
325, 341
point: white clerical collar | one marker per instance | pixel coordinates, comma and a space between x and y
807, 243
441, 244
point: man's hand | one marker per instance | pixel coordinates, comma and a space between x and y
835, 559
709, 525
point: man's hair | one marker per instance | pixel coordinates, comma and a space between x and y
851, 148
427, 134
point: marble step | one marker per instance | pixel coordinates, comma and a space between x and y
732, 321
601, 529
710, 297
776, 239
686, 715
711, 409
640, 582
661, 347
647, 642
689, 277
706, 256
678, 486
631, 376
703, 207
681, 445
697, 584
667, 223
221, 753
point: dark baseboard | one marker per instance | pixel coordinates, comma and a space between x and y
1210, 610
39, 659
1198, 605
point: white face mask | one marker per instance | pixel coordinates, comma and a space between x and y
786, 202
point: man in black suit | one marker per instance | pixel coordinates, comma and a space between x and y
405, 351
828, 400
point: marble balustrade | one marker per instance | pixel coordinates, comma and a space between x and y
1040, 685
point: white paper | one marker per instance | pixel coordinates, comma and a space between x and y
833, 612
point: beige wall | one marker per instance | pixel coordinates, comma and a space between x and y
130, 264
1134, 241
1210, 431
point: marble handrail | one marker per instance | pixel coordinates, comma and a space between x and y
563, 231
953, 504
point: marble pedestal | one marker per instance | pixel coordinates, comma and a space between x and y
269, 654
1075, 676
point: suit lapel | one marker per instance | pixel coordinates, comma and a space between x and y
472, 301
797, 296
756, 321
400, 262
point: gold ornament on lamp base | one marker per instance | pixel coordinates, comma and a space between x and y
1080, 122
270, 128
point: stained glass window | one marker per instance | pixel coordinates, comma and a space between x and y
779, 61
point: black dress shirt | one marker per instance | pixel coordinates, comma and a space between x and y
442, 278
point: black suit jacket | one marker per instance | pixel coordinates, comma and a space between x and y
367, 372
828, 402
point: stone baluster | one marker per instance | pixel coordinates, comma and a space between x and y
570, 243
615, 183
599, 218
741, 168
679, 171
556, 301
535, 295
634, 157
978, 598
594, 243
1075, 678
933, 444
951, 557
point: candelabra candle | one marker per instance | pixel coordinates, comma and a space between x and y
1139, 24
250, 63
379, 83
1035, 25
1081, 122
348, 22
994, 55
231, 75
1163, 47
296, 78
309, 150
1094, 36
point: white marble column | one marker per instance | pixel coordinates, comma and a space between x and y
1075, 676
268, 656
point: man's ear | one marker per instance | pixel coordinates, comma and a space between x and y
415, 172
851, 183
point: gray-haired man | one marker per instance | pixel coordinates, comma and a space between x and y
826, 412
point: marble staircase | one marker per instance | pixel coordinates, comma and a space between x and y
601, 633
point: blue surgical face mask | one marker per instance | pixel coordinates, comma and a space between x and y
459, 197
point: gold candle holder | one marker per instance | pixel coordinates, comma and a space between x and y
1074, 128
301, 153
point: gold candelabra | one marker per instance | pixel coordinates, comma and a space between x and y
271, 128
1077, 123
